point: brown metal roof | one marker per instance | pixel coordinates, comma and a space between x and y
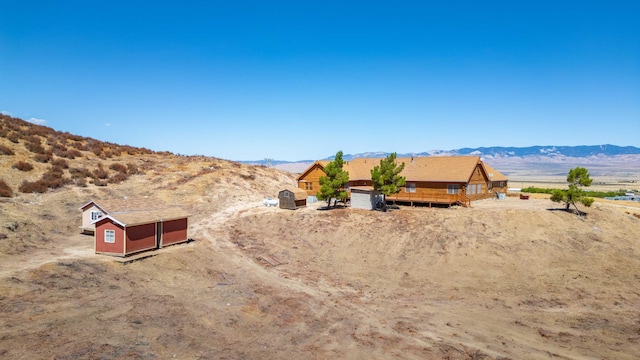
429, 168
131, 218
493, 174
320, 163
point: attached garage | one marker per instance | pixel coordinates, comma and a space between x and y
122, 234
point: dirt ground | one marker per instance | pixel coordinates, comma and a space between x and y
504, 279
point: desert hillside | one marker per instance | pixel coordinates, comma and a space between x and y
510, 279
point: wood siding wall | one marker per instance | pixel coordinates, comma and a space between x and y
141, 237
311, 183
116, 248
174, 231
479, 182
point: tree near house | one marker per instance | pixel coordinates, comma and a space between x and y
332, 186
386, 176
577, 178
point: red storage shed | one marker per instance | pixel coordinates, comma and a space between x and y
125, 233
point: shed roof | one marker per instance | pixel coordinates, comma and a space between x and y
132, 218
298, 193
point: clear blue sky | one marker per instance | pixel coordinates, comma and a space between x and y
295, 80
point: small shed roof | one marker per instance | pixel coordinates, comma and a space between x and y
132, 218
298, 193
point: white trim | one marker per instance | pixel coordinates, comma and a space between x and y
94, 204
111, 234
110, 218
98, 214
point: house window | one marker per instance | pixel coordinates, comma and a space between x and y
410, 187
471, 189
95, 215
453, 188
479, 189
286, 194
110, 236
308, 186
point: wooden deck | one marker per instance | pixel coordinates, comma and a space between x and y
411, 198
135, 257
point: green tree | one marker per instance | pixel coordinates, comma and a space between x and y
332, 186
386, 176
577, 178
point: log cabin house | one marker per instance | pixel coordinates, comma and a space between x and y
444, 180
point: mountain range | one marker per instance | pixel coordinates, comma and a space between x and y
551, 151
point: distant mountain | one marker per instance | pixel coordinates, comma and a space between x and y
582, 151
570, 151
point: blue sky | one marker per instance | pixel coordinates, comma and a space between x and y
297, 80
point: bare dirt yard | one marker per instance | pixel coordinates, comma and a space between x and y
504, 279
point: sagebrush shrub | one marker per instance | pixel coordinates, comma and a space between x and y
77, 173
43, 158
23, 166
82, 182
118, 167
99, 182
79, 146
28, 187
5, 189
118, 178
132, 169
100, 173
53, 178
34, 147
61, 163
4, 150
14, 137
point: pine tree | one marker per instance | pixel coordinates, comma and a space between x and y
577, 178
332, 186
386, 176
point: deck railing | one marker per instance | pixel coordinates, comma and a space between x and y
449, 199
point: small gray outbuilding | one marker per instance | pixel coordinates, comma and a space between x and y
365, 197
292, 198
